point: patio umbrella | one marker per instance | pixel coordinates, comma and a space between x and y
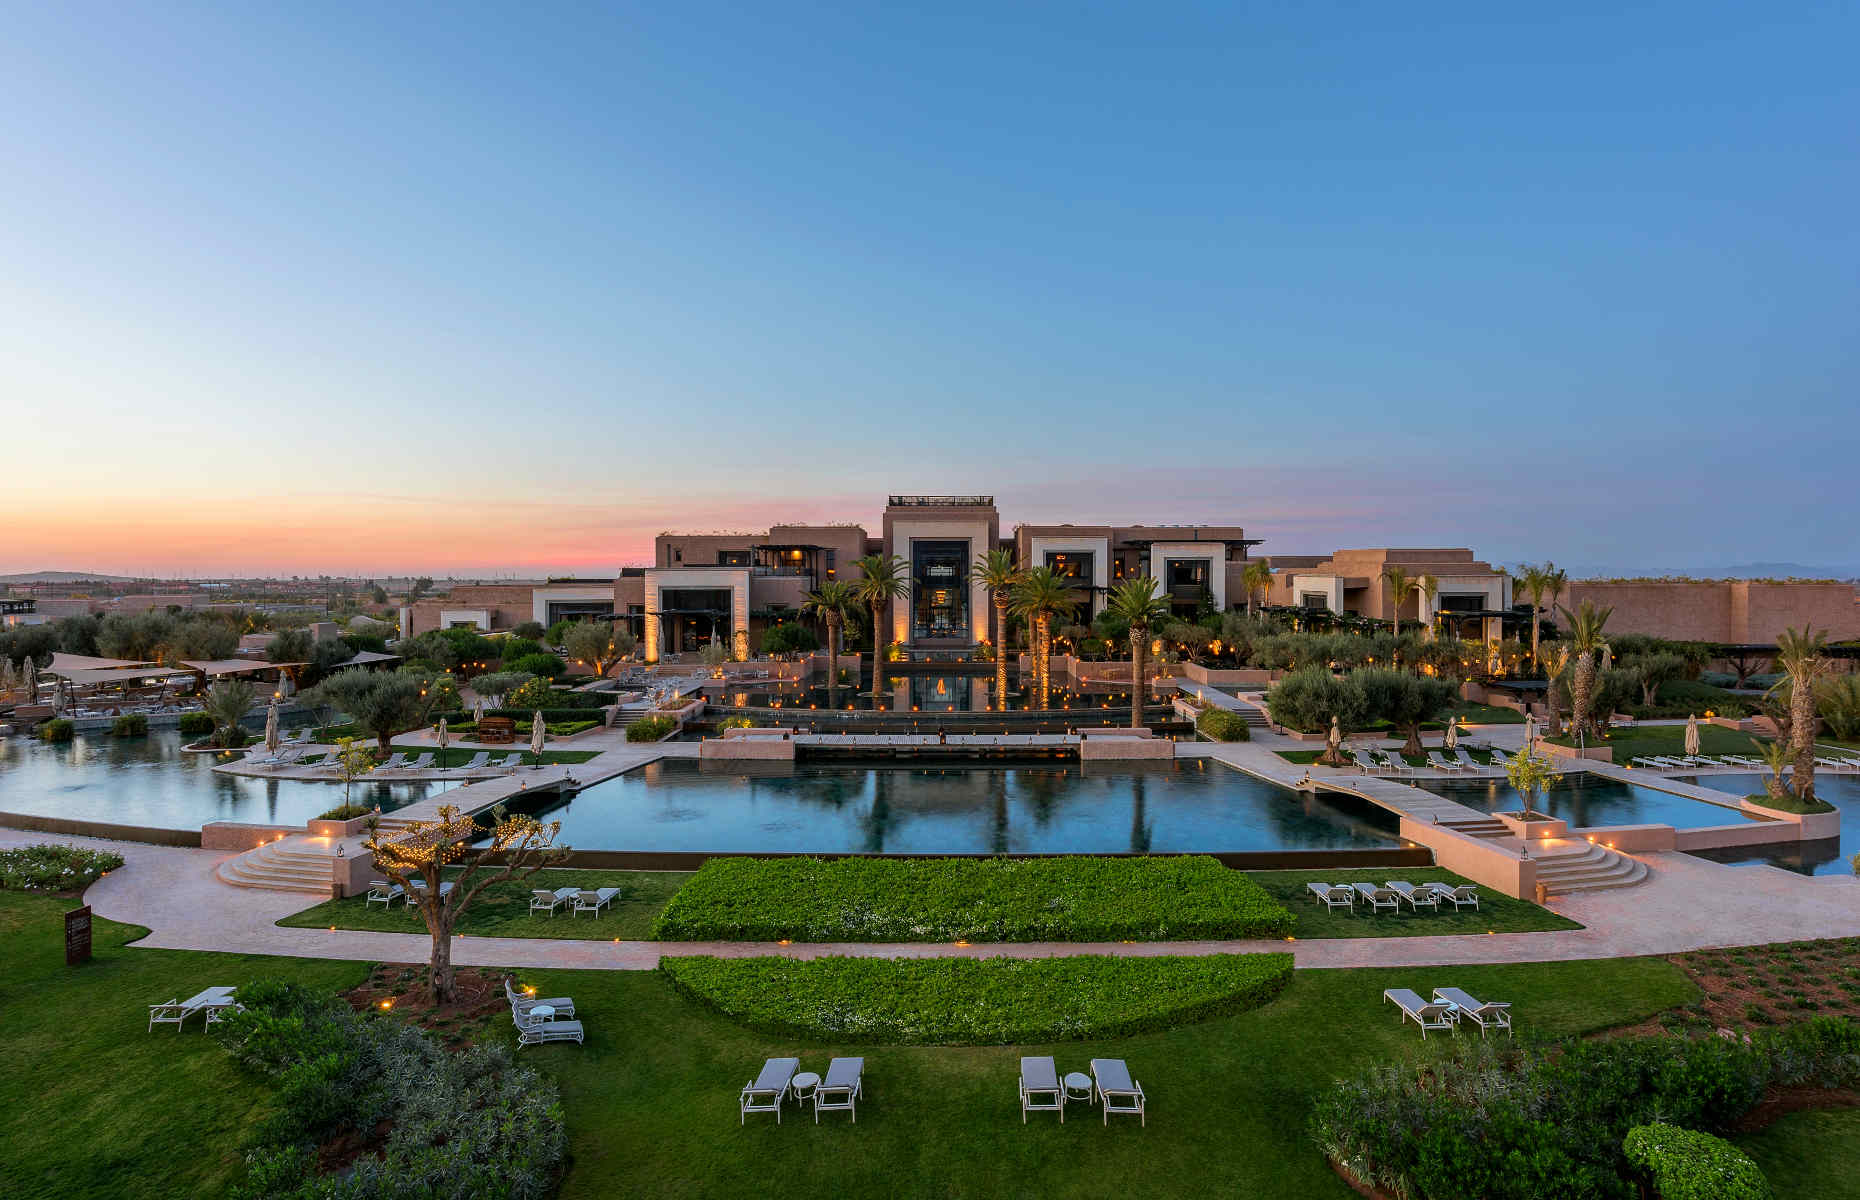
1530, 731
58, 699
536, 732
1692, 734
1453, 734
271, 726
1335, 739
477, 712
441, 736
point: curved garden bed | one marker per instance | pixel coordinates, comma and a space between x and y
977, 1001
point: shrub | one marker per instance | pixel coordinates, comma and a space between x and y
1309, 697
195, 723
468, 1124
736, 723
977, 1001
1073, 898
130, 725
1789, 802
1687, 1165
529, 630
650, 729
531, 694
546, 665
58, 729
346, 812
53, 867
790, 637
1223, 725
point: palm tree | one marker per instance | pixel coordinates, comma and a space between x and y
1555, 659
1430, 588
1538, 582
1587, 647
1000, 574
1039, 597
1137, 601
1257, 580
227, 702
1401, 585
884, 581
831, 601
1799, 655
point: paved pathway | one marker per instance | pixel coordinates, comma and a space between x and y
1687, 904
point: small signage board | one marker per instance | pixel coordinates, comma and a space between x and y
77, 936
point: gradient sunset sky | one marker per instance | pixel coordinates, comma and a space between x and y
511, 288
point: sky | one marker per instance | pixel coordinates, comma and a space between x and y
473, 289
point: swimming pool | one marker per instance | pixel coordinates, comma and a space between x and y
1586, 800
1825, 856
679, 805
916, 693
151, 781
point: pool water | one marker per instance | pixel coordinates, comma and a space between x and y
1586, 800
1825, 856
679, 805
151, 781
916, 693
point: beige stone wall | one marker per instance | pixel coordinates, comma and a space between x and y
1720, 611
509, 605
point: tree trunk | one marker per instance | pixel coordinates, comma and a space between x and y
833, 660
1535, 633
1581, 693
1413, 744
1139, 644
1001, 638
1043, 659
1554, 723
437, 914
383, 741
1802, 726
878, 650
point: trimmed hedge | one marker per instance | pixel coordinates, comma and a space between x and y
650, 729
1223, 725
195, 723
130, 725
970, 1001
1687, 1165
1066, 899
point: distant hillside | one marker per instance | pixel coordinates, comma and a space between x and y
65, 577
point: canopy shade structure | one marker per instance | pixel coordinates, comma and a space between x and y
217, 667
122, 675
366, 658
63, 664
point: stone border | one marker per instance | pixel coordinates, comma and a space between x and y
102, 829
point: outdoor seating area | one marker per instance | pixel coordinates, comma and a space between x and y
212, 1003
1109, 1087
542, 1020
1430, 896
1449, 1006
781, 1080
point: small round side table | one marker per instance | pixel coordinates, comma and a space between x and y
1078, 1087
543, 1012
804, 1084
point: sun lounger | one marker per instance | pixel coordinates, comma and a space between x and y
394, 761
417, 890
768, 1090
1428, 1016
1332, 897
1467, 762
841, 1090
1115, 1090
1369, 765
1485, 1016
381, 892
509, 761
1394, 762
1417, 898
1039, 1089
1378, 898
1832, 763
534, 1031
522, 1002
421, 763
1500, 759
1461, 897
476, 761
1440, 764
594, 900
176, 1012
543, 900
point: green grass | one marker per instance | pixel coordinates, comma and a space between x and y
651, 1097
1486, 714
93, 1104
1809, 1154
1307, 757
1640, 740
503, 909
1497, 913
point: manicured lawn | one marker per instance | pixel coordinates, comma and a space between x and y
94, 1105
1809, 1154
1497, 913
1486, 714
1638, 740
651, 1097
503, 909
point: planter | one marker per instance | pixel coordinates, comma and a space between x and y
318, 827
1593, 753
1534, 826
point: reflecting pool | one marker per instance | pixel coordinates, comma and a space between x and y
151, 781
1191, 805
1825, 856
1586, 800
945, 693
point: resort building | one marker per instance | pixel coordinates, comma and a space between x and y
1471, 598
1197, 565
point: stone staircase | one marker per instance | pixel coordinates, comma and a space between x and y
1477, 826
292, 865
1567, 865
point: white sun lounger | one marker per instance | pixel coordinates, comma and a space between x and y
1428, 1016
1485, 1016
768, 1089
1116, 1091
421, 763
509, 761
1394, 762
594, 900
534, 1031
1460, 897
841, 1090
394, 761
474, 763
1332, 896
544, 900
522, 1002
1467, 762
381, 892
1369, 765
416, 890
1417, 898
1378, 898
1039, 1089
176, 1012
1440, 764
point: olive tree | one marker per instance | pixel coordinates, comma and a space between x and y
1404, 700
